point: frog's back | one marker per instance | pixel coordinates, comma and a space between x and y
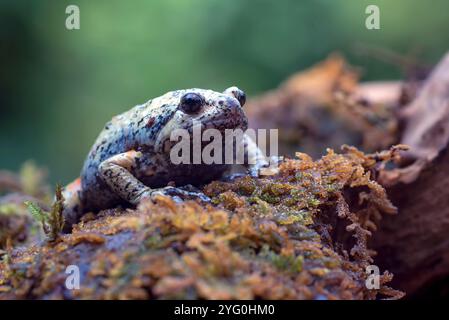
131, 130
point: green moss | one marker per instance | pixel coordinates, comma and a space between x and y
287, 263
52, 221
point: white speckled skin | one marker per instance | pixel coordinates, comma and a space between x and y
130, 158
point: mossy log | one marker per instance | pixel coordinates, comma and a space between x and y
270, 238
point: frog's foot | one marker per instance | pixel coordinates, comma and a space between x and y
194, 193
180, 194
233, 176
267, 167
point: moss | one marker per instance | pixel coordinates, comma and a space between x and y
264, 238
52, 221
284, 262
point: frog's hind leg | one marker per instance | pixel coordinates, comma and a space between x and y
72, 204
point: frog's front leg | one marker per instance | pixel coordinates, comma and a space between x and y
116, 172
256, 160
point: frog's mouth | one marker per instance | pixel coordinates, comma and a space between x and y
221, 124
218, 123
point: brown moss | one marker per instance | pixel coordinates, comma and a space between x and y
301, 234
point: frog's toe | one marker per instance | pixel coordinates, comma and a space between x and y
192, 192
254, 172
147, 194
276, 160
232, 177
203, 197
181, 194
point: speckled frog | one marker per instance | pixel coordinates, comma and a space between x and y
130, 159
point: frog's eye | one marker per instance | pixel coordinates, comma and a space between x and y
240, 96
237, 93
191, 102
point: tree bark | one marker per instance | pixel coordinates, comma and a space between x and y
414, 245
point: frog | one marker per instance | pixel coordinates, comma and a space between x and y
130, 159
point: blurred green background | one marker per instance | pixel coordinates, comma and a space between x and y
58, 87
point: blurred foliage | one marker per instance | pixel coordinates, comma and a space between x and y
58, 87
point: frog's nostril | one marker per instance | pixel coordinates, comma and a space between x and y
233, 107
232, 103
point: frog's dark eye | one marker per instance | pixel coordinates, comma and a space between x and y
191, 102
